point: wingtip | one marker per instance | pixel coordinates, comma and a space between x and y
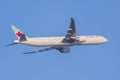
72, 18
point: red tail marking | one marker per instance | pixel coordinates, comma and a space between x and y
19, 34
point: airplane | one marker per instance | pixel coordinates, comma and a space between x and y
60, 43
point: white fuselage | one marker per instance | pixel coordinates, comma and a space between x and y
57, 41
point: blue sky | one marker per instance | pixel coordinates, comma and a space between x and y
51, 18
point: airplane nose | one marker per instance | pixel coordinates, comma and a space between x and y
105, 40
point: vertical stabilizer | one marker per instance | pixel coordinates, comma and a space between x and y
20, 35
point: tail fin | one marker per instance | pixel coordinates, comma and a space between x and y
20, 35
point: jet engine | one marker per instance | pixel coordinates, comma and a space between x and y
64, 50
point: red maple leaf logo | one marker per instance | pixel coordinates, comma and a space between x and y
19, 34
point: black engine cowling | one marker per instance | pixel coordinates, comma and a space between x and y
64, 50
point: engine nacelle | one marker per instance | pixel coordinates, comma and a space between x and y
64, 50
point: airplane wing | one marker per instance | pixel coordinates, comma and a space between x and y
60, 49
42, 50
71, 33
71, 30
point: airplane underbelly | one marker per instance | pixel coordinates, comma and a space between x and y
47, 43
44, 43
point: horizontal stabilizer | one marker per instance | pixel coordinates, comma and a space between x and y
11, 44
